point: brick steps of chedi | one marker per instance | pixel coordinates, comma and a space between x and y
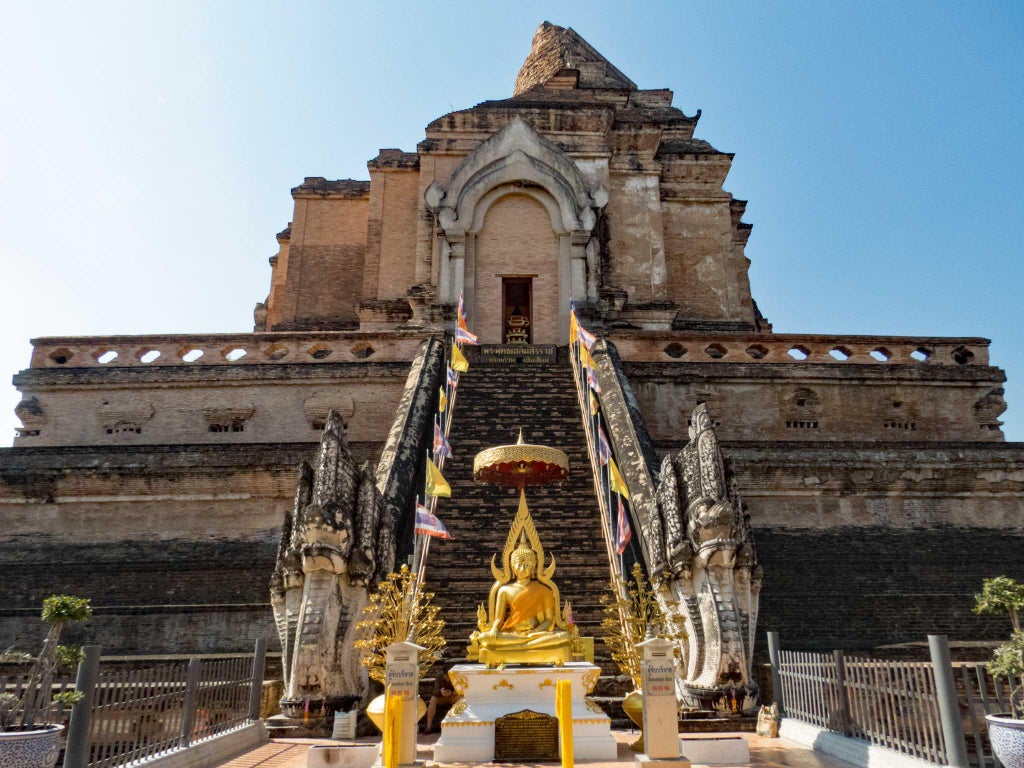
493, 403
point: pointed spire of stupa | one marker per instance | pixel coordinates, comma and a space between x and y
556, 48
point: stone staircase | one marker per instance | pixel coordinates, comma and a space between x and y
493, 402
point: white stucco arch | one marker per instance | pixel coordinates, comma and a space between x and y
517, 160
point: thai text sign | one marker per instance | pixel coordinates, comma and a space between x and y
659, 675
401, 678
516, 354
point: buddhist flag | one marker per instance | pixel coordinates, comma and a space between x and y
462, 334
429, 524
594, 405
459, 361
586, 338
623, 533
441, 446
436, 484
617, 483
604, 450
442, 400
585, 359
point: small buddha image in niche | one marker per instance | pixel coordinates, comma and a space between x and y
516, 293
517, 329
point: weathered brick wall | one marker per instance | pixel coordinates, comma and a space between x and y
516, 240
636, 261
819, 402
175, 596
703, 274
173, 544
256, 403
394, 200
858, 588
324, 280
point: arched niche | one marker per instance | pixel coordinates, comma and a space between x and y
516, 160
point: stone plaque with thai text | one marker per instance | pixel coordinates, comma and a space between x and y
519, 354
526, 735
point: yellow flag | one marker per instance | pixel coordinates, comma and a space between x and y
442, 401
459, 362
436, 484
594, 406
617, 483
574, 334
585, 358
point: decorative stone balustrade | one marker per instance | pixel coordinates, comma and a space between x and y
800, 348
220, 349
263, 348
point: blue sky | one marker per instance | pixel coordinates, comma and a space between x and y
147, 149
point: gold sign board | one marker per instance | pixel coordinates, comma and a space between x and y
526, 735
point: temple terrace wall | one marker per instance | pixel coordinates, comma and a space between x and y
274, 387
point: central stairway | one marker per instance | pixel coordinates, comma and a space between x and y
494, 401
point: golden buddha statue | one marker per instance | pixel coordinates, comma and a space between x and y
523, 623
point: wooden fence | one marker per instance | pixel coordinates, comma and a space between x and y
933, 710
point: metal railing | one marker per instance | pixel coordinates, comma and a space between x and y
131, 715
909, 707
981, 694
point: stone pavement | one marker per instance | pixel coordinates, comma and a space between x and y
764, 753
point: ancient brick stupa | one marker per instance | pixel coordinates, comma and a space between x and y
872, 468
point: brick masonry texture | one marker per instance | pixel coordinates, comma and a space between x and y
149, 597
858, 588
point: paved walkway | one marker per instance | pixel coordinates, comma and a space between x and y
764, 753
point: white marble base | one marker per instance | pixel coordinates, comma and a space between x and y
711, 750
662, 762
467, 733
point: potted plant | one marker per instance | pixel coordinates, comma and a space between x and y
1006, 729
28, 738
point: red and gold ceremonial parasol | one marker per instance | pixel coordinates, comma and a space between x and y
520, 465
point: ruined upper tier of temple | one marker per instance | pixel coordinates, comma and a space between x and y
580, 186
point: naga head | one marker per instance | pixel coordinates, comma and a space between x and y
325, 545
713, 531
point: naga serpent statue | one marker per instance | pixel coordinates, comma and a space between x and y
713, 575
334, 549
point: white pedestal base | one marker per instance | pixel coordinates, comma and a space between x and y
662, 762
467, 733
